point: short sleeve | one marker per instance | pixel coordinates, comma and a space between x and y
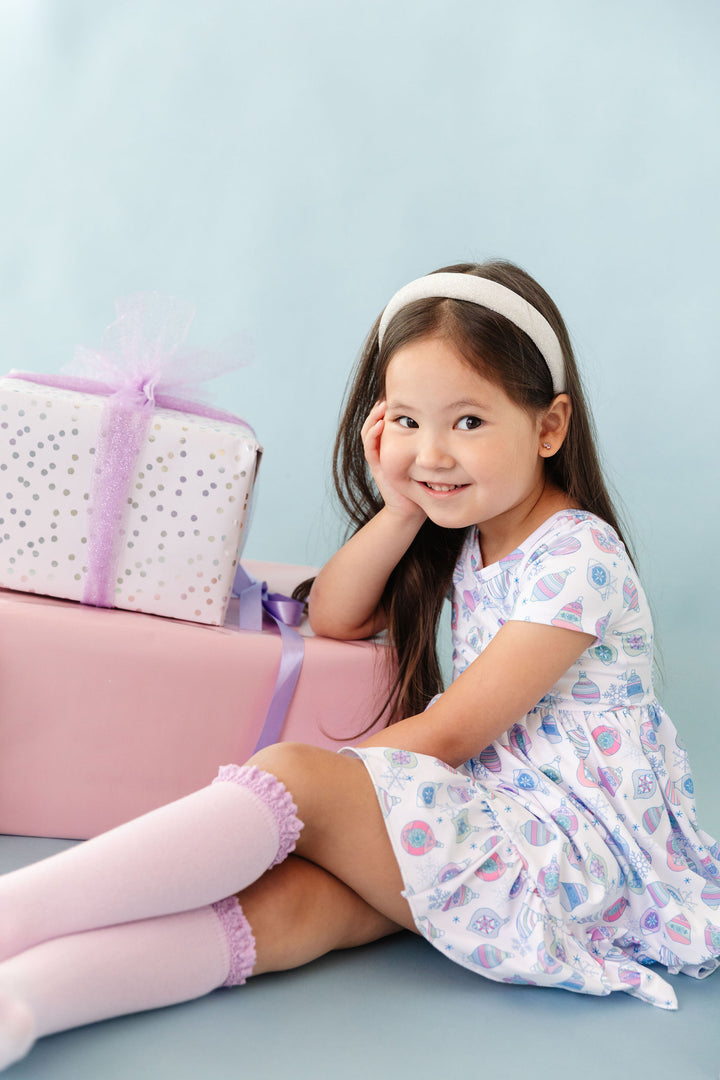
578, 577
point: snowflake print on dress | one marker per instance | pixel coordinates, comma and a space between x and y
569, 846
397, 776
615, 694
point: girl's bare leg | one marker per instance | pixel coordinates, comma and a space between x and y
344, 831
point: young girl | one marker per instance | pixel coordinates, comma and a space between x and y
535, 823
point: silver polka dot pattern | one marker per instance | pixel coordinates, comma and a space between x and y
187, 504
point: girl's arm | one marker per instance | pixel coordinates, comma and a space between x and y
514, 672
345, 600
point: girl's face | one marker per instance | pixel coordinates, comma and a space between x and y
455, 444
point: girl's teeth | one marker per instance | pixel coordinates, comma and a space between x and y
441, 487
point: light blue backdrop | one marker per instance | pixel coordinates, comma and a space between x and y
285, 166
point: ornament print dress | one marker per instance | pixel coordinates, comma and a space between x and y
568, 852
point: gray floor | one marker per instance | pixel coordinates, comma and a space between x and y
394, 1009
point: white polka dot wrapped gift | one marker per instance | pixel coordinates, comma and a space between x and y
120, 489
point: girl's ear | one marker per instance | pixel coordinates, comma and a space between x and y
554, 426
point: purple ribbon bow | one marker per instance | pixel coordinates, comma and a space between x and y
285, 614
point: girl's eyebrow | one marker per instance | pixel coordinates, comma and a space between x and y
450, 407
468, 403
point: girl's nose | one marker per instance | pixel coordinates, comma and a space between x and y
433, 453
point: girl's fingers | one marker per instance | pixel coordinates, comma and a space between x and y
375, 414
371, 448
372, 430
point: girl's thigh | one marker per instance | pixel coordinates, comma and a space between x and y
344, 832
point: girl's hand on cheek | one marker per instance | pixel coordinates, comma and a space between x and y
372, 431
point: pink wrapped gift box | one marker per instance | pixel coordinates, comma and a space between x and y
106, 714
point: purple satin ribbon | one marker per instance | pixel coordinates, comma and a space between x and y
285, 614
124, 424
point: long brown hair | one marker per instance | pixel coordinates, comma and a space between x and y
502, 353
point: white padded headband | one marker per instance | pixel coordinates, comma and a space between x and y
489, 294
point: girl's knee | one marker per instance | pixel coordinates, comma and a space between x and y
282, 752
315, 778
295, 764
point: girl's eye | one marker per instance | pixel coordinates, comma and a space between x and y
469, 423
405, 421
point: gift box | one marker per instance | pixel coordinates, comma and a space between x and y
184, 523
105, 714
120, 489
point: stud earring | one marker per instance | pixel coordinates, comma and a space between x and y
546, 445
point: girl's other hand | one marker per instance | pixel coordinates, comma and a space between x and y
371, 433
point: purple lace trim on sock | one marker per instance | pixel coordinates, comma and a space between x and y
240, 940
275, 796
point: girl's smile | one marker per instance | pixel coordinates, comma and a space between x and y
459, 447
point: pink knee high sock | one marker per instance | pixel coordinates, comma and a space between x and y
116, 970
183, 856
